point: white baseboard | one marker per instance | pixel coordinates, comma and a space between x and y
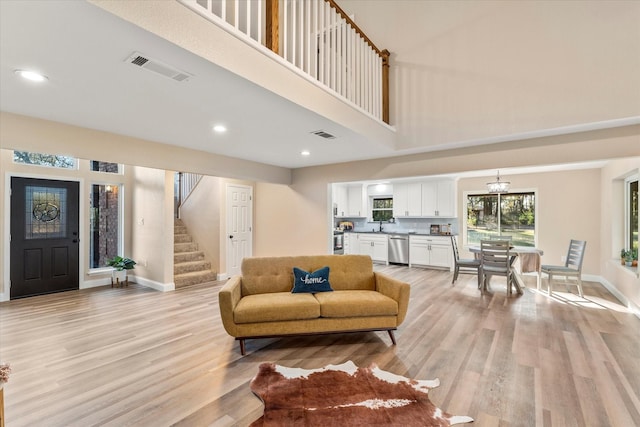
222, 276
162, 287
614, 291
95, 283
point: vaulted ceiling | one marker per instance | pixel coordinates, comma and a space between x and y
463, 74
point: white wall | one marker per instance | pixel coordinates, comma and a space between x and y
151, 223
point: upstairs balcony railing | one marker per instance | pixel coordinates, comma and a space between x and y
315, 36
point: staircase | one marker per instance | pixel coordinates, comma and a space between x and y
189, 265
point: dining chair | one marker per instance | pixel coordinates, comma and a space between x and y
465, 266
496, 260
571, 268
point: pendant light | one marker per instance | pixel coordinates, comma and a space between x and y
498, 187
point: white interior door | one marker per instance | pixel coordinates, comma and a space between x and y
239, 220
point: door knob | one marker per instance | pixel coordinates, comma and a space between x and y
231, 236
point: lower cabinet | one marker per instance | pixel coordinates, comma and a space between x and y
376, 246
430, 251
350, 244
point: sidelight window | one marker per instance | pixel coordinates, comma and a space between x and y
105, 224
512, 216
631, 213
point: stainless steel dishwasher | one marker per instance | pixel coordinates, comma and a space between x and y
399, 248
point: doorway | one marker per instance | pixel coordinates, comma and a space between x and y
239, 226
44, 247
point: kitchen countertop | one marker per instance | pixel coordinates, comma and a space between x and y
400, 232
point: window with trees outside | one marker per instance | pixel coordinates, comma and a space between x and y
40, 159
382, 209
631, 217
511, 215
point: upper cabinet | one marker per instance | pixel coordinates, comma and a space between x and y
438, 198
424, 199
407, 199
348, 200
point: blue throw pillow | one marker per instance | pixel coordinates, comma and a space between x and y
318, 281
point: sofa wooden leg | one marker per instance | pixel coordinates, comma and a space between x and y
242, 348
393, 338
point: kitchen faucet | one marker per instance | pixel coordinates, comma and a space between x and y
381, 227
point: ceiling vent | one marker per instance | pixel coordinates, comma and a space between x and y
323, 134
156, 66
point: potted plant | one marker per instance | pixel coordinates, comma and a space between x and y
627, 257
120, 266
634, 257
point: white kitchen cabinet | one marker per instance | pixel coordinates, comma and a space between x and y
376, 246
407, 199
348, 200
356, 201
340, 199
438, 198
430, 251
350, 244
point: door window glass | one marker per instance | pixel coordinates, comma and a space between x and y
45, 212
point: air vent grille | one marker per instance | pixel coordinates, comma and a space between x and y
323, 134
158, 67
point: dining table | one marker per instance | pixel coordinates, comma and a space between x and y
529, 260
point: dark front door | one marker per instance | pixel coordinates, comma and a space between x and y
44, 236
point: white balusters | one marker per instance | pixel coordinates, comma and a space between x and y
315, 38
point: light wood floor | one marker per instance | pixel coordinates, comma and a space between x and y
134, 356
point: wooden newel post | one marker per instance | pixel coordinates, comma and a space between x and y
385, 85
272, 41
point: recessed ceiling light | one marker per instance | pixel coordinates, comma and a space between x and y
305, 152
31, 75
219, 128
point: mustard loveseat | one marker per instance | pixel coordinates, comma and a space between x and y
259, 303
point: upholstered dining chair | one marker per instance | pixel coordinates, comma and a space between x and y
571, 268
495, 260
465, 266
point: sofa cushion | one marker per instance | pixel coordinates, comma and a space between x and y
306, 282
356, 304
276, 306
275, 274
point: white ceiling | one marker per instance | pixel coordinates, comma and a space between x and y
82, 49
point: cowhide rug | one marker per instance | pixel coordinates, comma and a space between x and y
345, 395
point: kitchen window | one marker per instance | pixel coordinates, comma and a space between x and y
512, 216
382, 208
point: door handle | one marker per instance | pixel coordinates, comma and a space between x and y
231, 236
75, 240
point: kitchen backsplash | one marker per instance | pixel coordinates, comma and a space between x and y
403, 225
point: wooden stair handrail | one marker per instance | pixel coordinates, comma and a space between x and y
342, 13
